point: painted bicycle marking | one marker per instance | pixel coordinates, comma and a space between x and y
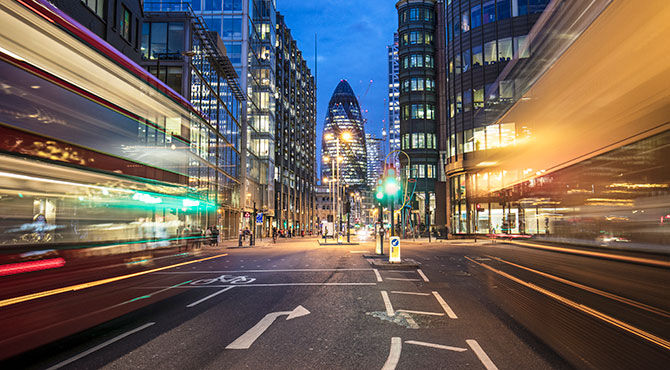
225, 279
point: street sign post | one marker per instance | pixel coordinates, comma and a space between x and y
394, 255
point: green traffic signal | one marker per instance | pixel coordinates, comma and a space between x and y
379, 194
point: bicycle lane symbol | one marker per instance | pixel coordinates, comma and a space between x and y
225, 279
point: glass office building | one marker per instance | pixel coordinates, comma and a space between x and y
394, 95
482, 39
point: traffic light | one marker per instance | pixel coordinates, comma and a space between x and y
391, 184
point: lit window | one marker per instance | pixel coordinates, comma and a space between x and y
505, 51
476, 16
521, 46
477, 56
465, 22
125, 24
96, 6
490, 52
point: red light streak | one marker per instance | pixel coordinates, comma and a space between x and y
21, 267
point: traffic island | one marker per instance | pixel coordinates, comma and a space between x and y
384, 264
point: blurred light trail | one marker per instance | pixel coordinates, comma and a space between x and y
72, 288
21, 267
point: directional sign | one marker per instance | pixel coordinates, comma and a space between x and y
259, 219
247, 339
394, 255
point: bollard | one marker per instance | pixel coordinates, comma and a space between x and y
239, 242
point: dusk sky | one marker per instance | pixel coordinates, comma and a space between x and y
352, 39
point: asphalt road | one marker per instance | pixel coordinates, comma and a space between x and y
298, 305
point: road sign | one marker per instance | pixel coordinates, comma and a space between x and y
247, 214
247, 339
394, 255
259, 219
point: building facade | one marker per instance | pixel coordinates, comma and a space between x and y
295, 136
375, 157
344, 137
177, 48
418, 101
394, 95
248, 29
117, 22
482, 38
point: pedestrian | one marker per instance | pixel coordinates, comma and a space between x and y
208, 235
274, 234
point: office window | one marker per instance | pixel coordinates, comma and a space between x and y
422, 171
489, 12
469, 141
175, 39
405, 85
417, 84
477, 59
492, 136
457, 65
430, 171
428, 16
478, 98
456, 25
158, 44
428, 38
479, 138
430, 111
451, 66
466, 60
96, 6
125, 24
490, 52
476, 16
430, 84
418, 111
506, 90
467, 100
521, 46
465, 21
459, 102
491, 93
416, 60
430, 141
505, 50
504, 9
405, 62
428, 61
144, 46
521, 6
212, 5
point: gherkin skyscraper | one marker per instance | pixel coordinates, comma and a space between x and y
344, 132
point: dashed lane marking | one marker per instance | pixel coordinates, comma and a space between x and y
401, 279
423, 276
394, 354
423, 312
378, 275
411, 293
438, 346
444, 305
387, 303
483, 357
99, 346
210, 296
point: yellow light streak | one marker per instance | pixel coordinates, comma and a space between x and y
72, 288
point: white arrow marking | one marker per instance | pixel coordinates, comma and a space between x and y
247, 339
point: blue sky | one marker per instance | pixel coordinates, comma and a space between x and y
352, 39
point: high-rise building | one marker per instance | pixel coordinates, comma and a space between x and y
375, 154
295, 144
482, 39
248, 29
177, 48
344, 136
394, 95
418, 100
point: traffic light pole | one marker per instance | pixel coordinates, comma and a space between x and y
392, 200
380, 218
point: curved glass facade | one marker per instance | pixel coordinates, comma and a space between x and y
344, 115
482, 38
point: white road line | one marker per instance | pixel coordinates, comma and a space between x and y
423, 276
411, 322
411, 293
358, 251
387, 303
445, 306
423, 312
100, 346
438, 346
210, 296
378, 275
260, 271
402, 279
394, 354
483, 357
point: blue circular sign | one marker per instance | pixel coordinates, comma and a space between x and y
395, 242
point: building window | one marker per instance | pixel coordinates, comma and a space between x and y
418, 111
466, 60
125, 24
467, 100
96, 6
521, 46
457, 63
459, 102
476, 16
465, 21
489, 12
478, 98
428, 61
505, 50
414, 14
416, 60
490, 52
504, 9
477, 59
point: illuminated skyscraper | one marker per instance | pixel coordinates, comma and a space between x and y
344, 117
375, 157
394, 95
